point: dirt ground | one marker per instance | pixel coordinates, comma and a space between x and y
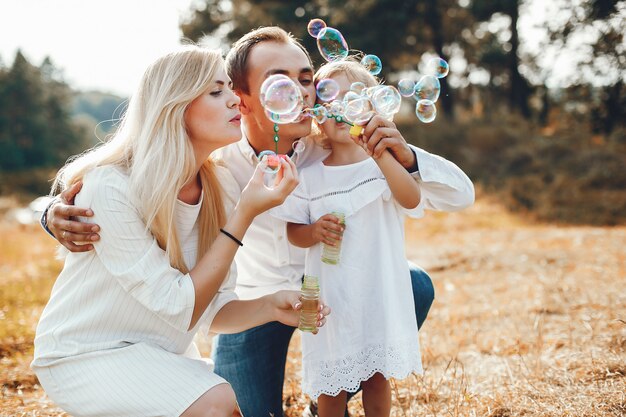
529, 319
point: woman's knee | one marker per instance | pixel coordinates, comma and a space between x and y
219, 401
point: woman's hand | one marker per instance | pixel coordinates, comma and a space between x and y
328, 230
257, 198
287, 306
65, 229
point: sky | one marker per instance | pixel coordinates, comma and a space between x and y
101, 45
106, 45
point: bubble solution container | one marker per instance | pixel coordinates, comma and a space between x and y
310, 293
330, 254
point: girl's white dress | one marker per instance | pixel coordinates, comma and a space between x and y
372, 327
113, 339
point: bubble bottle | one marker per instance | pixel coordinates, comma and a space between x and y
310, 298
330, 254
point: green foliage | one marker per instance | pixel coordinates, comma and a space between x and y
565, 177
35, 122
104, 109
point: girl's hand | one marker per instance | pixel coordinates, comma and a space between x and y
287, 305
257, 198
328, 230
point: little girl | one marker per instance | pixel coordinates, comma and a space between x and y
373, 334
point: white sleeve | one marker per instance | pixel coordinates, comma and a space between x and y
131, 254
444, 186
295, 208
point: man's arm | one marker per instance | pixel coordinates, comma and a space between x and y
444, 186
58, 221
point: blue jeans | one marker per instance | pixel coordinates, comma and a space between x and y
253, 361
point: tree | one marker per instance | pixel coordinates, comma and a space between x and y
505, 55
35, 125
604, 24
397, 31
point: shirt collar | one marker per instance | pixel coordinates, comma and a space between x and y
248, 151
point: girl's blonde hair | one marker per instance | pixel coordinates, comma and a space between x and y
152, 145
351, 67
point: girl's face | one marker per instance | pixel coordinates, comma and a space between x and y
213, 119
338, 132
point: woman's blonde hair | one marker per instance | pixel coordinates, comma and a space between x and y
152, 145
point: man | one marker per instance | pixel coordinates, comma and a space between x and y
254, 361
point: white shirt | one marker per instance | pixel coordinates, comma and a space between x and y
268, 263
125, 291
374, 328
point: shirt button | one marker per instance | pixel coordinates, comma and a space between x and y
280, 238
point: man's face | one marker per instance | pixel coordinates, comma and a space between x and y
269, 58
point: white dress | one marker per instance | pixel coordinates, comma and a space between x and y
372, 327
113, 338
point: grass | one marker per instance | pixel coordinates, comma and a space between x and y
529, 319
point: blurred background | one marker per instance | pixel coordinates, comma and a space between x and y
530, 314
533, 108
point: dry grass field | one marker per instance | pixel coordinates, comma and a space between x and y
529, 319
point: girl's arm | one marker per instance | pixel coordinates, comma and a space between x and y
376, 139
327, 229
403, 186
282, 306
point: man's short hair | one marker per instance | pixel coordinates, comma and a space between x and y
237, 57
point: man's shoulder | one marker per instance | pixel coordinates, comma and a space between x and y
229, 152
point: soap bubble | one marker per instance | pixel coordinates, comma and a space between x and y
327, 89
315, 26
319, 113
428, 88
350, 95
331, 44
285, 118
298, 146
273, 163
372, 64
336, 108
282, 96
359, 111
386, 101
406, 87
357, 87
426, 111
437, 67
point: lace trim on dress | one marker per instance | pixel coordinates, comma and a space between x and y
346, 374
340, 191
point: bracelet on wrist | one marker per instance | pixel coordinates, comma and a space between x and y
237, 241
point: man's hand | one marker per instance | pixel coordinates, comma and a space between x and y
67, 231
328, 230
381, 134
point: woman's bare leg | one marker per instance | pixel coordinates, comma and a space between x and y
219, 401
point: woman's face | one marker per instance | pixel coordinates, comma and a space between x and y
213, 119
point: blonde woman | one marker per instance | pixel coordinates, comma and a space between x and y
116, 336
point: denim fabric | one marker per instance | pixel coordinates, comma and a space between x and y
253, 361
